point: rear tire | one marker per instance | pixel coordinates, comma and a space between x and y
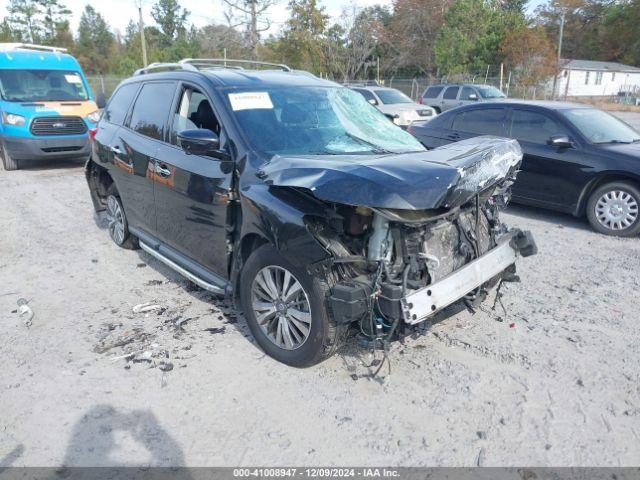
117, 222
612, 209
295, 329
8, 162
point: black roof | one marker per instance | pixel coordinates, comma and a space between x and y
549, 104
228, 77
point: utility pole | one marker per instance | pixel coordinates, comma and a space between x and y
142, 39
560, 35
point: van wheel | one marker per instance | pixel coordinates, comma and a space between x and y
437, 110
8, 162
613, 209
117, 222
286, 311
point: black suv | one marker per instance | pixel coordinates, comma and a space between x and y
302, 201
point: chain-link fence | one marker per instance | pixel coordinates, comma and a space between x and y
104, 84
414, 87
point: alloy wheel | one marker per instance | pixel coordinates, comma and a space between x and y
115, 218
617, 210
281, 307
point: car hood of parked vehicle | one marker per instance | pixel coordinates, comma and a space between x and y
404, 107
442, 178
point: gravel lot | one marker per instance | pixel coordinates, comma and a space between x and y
554, 382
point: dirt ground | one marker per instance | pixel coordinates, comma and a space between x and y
555, 381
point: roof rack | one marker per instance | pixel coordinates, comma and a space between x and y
195, 64
7, 47
229, 63
164, 66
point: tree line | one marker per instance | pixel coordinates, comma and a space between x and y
410, 38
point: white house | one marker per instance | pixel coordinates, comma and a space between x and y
588, 78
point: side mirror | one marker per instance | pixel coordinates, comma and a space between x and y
373, 101
560, 141
199, 141
101, 101
473, 96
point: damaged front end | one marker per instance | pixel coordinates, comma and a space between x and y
393, 267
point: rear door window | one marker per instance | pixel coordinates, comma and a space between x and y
488, 121
151, 109
432, 92
534, 127
467, 92
119, 103
451, 93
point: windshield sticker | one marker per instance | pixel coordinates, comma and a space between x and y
72, 78
250, 101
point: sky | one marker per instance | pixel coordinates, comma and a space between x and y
119, 12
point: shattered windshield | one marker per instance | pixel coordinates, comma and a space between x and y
41, 86
316, 121
600, 127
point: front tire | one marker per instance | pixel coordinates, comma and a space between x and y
117, 222
8, 162
612, 209
285, 310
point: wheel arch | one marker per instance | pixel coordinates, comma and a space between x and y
594, 184
99, 180
276, 215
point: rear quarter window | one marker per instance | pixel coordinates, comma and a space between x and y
432, 92
119, 103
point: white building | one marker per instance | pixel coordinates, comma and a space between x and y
588, 78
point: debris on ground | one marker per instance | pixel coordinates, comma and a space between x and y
214, 330
127, 337
25, 312
166, 366
146, 307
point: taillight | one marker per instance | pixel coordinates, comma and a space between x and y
420, 100
92, 133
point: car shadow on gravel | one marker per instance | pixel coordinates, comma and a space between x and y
561, 220
40, 165
222, 307
364, 363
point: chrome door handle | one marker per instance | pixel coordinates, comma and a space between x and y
115, 149
163, 172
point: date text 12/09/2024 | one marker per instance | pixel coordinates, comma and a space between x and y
316, 472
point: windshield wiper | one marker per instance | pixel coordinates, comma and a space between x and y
375, 148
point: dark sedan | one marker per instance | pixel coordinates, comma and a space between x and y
577, 159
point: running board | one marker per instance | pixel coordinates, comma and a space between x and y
219, 290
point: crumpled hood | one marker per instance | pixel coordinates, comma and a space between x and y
445, 177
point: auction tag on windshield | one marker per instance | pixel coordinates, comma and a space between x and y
250, 101
73, 78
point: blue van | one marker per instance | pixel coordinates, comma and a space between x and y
46, 105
